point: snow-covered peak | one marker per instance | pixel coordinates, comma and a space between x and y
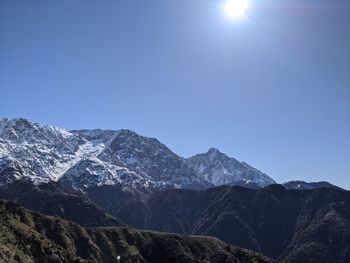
213, 151
149, 156
214, 154
45, 150
20, 130
219, 169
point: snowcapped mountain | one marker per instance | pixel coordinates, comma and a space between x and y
43, 150
84, 158
219, 169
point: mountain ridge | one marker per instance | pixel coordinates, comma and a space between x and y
299, 184
82, 158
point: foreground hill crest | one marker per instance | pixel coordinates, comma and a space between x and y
84, 158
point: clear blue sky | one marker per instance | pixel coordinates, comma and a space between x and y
272, 89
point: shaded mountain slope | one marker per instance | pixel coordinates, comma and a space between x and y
289, 225
57, 200
280, 223
28, 236
275, 221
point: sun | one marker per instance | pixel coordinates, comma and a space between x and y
236, 9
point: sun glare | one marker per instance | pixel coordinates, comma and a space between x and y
236, 9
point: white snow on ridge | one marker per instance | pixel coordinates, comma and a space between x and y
87, 150
46, 150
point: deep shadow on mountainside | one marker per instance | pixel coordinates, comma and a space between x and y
57, 200
289, 225
28, 236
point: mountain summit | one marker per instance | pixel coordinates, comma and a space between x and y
220, 169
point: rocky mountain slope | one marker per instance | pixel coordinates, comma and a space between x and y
85, 158
28, 236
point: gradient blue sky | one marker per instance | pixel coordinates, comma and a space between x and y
272, 89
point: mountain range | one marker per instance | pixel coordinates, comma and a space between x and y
100, 184
84, 158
